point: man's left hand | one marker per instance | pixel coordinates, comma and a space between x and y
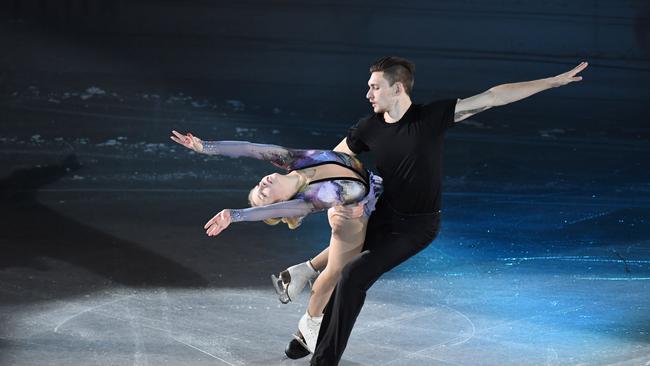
569, 76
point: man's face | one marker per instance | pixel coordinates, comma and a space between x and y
381, 95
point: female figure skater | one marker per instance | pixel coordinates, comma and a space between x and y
316, 180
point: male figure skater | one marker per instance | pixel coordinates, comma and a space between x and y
406, 140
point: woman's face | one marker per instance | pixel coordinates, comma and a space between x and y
272, 188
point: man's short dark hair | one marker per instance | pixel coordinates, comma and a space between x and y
396, 69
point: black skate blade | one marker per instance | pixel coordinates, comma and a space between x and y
296, 350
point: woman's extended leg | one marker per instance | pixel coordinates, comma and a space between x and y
345, 242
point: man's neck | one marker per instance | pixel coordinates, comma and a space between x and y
398, 110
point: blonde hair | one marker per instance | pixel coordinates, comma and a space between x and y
292, 222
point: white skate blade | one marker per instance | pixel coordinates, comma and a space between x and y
277, 284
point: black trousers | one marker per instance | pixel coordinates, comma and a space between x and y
391, 239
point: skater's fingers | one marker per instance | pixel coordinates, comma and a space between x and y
211, 221
217, 223
349, 211
182, 140
577, 69
179, 135
215, 230
209, 230
177, 140
581, 67
358, 211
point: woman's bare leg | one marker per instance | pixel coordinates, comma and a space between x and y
346, 242
320, 261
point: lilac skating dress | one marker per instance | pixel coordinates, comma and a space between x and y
318, 195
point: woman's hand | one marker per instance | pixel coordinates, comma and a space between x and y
189, 141
218, 223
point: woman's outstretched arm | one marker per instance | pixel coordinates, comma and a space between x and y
293, 208
277, 155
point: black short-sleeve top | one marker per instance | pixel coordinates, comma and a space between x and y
408, 153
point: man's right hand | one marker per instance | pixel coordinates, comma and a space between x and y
189, 141
353, 211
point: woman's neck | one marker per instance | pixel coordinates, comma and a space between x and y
298, 179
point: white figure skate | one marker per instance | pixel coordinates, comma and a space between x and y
293, 280
308, 328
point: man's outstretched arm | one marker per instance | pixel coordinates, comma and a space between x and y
508, 93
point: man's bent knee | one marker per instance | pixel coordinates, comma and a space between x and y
353, 275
